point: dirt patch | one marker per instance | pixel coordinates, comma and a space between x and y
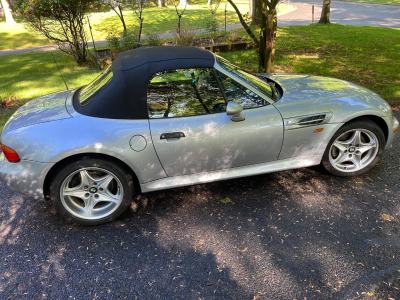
394, 103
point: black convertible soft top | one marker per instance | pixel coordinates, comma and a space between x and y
125, 96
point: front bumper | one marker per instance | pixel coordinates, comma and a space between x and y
24, 177
394, 125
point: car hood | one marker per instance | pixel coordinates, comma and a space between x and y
307, 94
299, 87
44, 109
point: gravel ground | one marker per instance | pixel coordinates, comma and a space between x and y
298, 234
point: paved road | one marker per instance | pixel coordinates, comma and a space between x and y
341, 12
347, 13
296, 234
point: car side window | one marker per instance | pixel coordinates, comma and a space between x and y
183, 93
238, 93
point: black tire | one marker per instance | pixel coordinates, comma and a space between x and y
116, 169
362, 123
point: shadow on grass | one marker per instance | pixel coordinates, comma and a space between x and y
368, 56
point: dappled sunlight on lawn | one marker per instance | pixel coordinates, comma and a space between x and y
16, 36
364, 55
27, 76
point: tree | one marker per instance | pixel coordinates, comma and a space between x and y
138, 6
7, 13
265, 41
179, 13
117, 6
61, 21
326, 11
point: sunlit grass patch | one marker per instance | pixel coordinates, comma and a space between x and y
365, 55
155, 20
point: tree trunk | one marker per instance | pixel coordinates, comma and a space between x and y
208, 2
326, 11
251, 34
182, 2
159, 4
7, 13
252, 9
121, 16
141, 26
269, 36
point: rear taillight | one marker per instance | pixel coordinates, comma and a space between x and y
10, 154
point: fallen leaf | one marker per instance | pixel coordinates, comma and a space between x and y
387, 217
226, 200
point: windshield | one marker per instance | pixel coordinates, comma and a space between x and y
252, 80
87, 93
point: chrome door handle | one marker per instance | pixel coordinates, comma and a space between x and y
172, 135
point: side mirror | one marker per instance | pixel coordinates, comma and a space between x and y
235, 111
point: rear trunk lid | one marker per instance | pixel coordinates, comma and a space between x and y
44, 109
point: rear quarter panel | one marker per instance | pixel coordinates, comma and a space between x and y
53, 141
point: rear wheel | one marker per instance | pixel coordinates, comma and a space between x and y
92, 191
354, 149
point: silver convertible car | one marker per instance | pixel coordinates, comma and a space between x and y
165, 117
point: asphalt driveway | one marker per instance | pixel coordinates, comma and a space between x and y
342, 12
296, 234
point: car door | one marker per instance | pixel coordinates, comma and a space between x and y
191, 131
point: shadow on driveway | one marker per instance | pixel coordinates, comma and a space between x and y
287, 235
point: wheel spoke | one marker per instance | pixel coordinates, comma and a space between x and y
86, 179
342, 157
356, 160
106, 196
89, 204
105, 181
75, 192
356, 139
365, 147
342, 146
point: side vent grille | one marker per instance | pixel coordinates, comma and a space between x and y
310, 120
318, 119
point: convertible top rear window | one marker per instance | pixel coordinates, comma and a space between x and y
252, 80
89, 92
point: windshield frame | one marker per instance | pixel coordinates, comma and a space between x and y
92, 89
257, 85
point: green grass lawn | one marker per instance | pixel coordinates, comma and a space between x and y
393, 2
155, 20
369, 56
16, 36
31, 75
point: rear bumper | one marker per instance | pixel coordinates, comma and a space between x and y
25, 177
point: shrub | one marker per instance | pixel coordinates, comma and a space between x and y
211, 27
153, 39
128, 41
62, 22
9, 102
186, 36
113, 43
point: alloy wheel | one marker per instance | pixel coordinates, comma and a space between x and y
91, 193
354, 150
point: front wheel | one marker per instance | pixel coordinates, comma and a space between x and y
354, 149
91, 191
